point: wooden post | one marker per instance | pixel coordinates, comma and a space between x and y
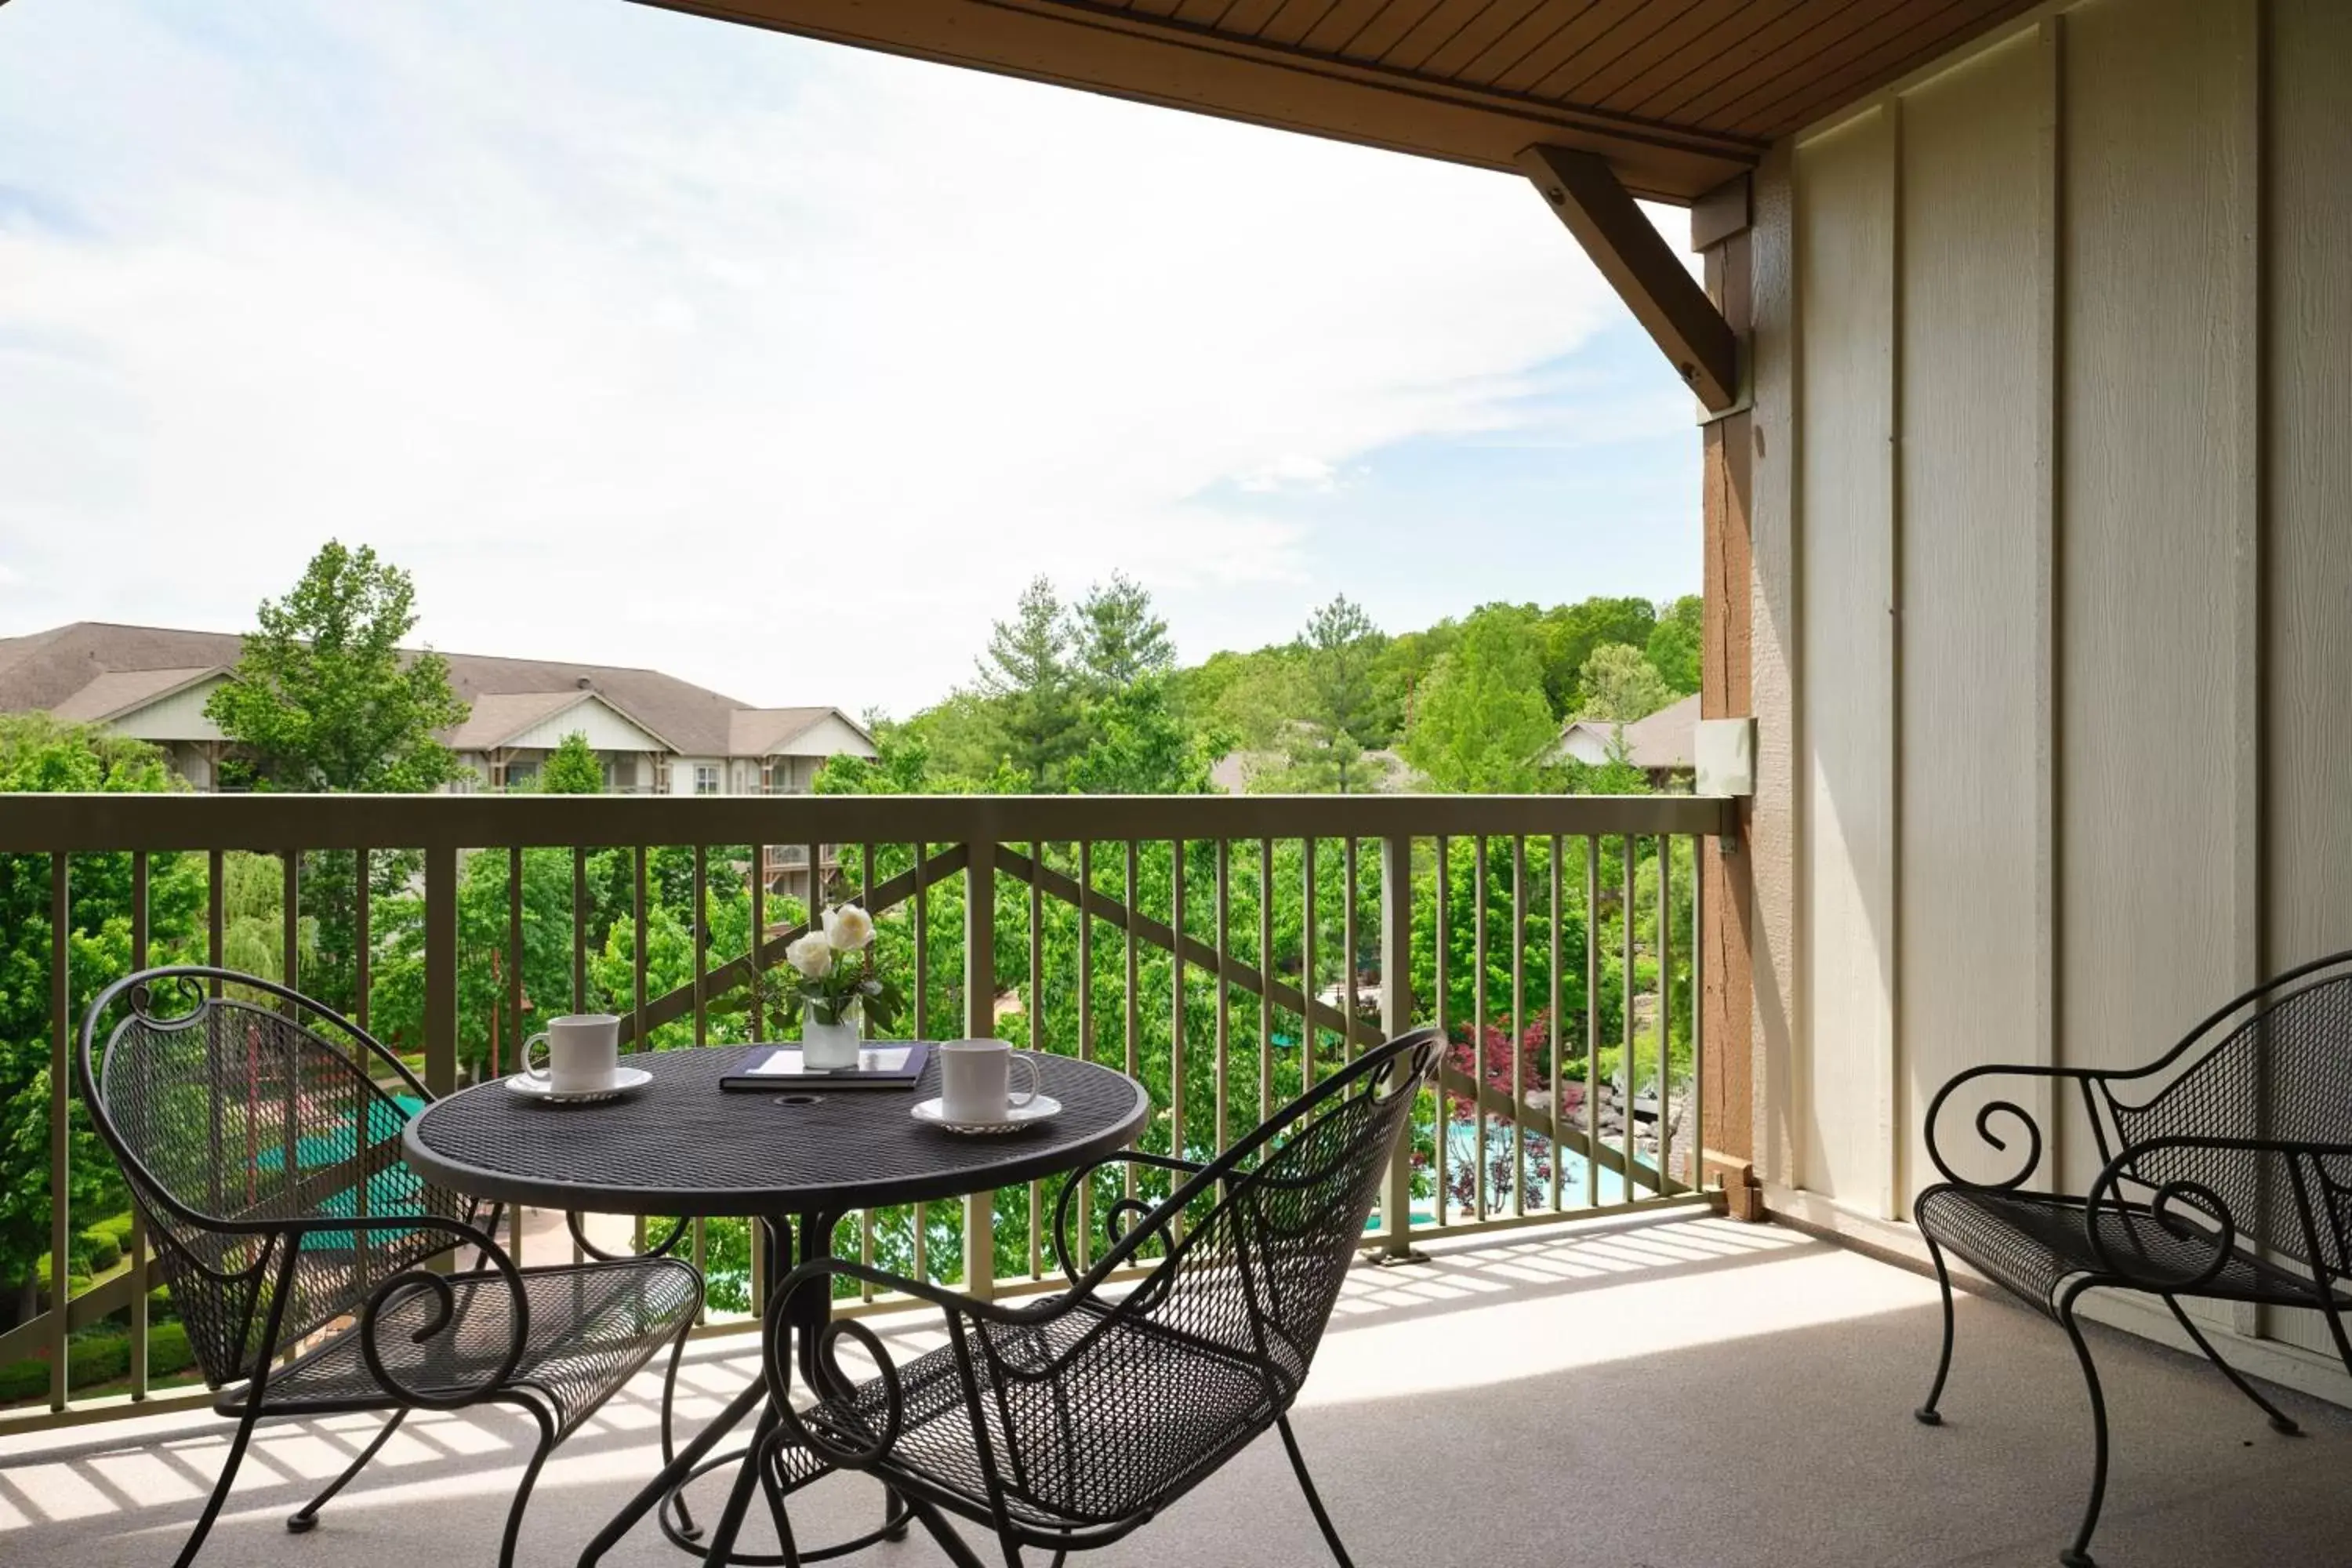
1720, 227
979, 1022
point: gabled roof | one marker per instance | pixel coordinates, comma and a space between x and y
495, 721
1665, 740
764, 731
118, 692
45, 668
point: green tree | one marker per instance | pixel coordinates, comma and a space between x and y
321, 697
1334, 725
1618, 682
1120, 639
39, 755
1675, 643
1483, 726
572, 768
1027, 668
1571, 633
1136, 745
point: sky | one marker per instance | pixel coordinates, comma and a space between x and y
643, 339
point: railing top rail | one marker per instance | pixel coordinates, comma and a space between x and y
49, 824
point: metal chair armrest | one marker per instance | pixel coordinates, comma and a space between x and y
1144, 1213
374, 1325
2171, 1204
1990, 1109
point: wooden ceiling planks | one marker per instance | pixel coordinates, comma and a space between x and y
1679, 95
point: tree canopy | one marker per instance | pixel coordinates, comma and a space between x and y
323, 698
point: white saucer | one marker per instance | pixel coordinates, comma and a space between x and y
624, 1079
1044, 1108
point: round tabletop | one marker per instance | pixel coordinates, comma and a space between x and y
681, 1145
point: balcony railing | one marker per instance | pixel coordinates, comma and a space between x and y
1226, 951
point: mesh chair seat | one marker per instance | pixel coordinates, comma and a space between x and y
2031, 1244
1139, 1415
592, 1327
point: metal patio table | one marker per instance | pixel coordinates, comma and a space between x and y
797, 1159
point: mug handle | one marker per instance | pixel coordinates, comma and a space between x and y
536, 1071
1027, 1063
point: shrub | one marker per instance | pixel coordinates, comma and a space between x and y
117, 1230
100, 1357
27, 1379
103, 1250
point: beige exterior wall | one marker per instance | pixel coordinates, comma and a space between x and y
2054, 596
179, 717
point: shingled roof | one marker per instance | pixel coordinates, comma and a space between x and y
91, 664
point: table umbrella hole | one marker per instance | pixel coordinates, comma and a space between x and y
800, 1099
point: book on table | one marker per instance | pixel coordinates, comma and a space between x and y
881, 1063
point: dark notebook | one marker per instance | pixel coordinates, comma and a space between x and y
881, 1063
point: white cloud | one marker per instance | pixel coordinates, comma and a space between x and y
646, 339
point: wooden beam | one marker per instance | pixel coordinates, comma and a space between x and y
1641, 266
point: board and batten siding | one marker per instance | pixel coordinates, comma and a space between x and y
2060, 387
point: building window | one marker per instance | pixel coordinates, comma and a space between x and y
705, 779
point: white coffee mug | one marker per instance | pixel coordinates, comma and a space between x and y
583, 1053
976, 1080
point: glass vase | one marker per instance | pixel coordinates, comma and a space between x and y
828, 1047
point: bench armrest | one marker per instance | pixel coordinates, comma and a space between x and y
2022, 1119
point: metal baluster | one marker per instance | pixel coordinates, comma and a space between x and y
1591, 1020
1444, 1027
1037, 1030
138, 1238
362, 975
864, 1217
1478, 1017
1134, 1003
1086, 1025
637, 1005
922, 1021
1396, 1018
701, 984
1225, 987
1555, 1041
514, 1003
212, 934
290, 920
1698, 1016
1665, 1006
60, 1126
1518, 1023
1347, 949
1264, 981
580, 973
1625, 992
1307, 966
1176, 1024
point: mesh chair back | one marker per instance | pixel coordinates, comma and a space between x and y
1216, 1341
2275, 1065
231, 1121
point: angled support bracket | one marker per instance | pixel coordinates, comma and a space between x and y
1641, 266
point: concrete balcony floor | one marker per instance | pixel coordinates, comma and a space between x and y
1663, 1394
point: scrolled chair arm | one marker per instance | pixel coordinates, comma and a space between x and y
1137, 1213
375, 1325
1996, 1109
2171, 1204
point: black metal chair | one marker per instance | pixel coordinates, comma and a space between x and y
265, 1160
2227, 1176
1067, 1423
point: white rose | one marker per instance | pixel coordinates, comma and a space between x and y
848, 928
812, 955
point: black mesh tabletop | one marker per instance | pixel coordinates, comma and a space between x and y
682, 1146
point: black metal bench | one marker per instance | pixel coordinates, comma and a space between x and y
2226, 1174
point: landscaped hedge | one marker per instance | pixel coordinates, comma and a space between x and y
100, 1358
102, 1250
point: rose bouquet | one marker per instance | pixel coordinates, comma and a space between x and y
833, 972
